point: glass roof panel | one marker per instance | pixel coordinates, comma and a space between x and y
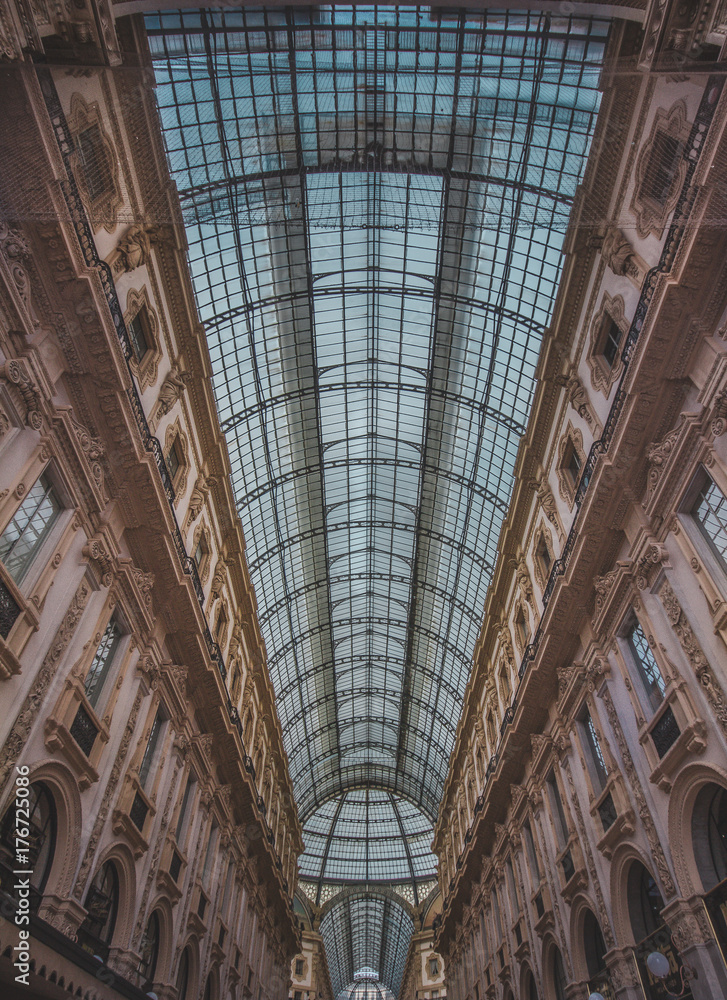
375, 202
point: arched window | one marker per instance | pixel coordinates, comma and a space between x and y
531, 990
182, 983
594, 945
709, 835
149, 950
42, 825
560, 980
208, 988
645, 902
102, 904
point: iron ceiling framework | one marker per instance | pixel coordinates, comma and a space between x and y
375, 200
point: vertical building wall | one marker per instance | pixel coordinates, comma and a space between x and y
137, 708
584, 818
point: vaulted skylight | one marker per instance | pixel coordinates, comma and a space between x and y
375, 202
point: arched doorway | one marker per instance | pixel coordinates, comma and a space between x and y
651, 934
43, 825
530, 989
102, 904
709, 842
558, 977
183, 975
149, 951
594, 950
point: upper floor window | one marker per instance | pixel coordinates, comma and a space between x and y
542, 554
173, 460
595, 760
184, 811
94, 159
201, 553
611, 335
710, 513
572, 463
101, 663
299, 967
661, 166
152, 746
138, 329
532, 855
22, 538
521, 627
646, 665
559, 820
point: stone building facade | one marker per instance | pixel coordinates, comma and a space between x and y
138, 722
584, 820
584, 823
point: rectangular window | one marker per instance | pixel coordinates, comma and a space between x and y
137, 335
299, 967
532, 856
543, 556
151, 749
200, 552
173, 461
22, 538
612, 334
646, 665
209, 855
556, 803
496, 915
573, 464
94, 160
99, 669
595, 760
710, 513
182, 821
511, 888
666, 151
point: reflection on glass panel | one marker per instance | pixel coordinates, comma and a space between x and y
28, 527
710, 511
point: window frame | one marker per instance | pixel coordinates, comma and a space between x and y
637, 670
34, 565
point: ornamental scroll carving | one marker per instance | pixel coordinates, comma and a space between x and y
694, 653
621, 256
652, 835
198, 497
17, 373
658, 455
132, 250
547, 502
36, 696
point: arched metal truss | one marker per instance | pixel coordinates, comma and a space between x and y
375, 201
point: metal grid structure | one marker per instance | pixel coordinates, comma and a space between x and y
366, 931
375, 202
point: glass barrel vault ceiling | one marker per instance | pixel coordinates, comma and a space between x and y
375, 201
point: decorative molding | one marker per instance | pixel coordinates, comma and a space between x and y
103, 210
634, 783
35, 698
651, 217
694, 653
604, 375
